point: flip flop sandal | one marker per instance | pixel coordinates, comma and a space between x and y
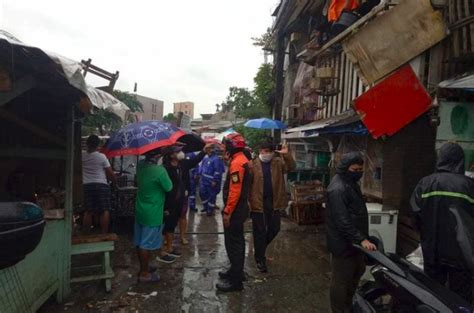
154, 278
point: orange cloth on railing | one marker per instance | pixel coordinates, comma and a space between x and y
337, 6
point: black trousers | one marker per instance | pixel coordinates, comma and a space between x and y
346, 273
266, 226
235, 247
458, 280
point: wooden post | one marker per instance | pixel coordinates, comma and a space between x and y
279, 82
65, 259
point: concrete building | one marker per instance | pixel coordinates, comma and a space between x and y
185, 107
152, 108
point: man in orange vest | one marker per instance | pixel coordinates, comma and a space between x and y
236, 211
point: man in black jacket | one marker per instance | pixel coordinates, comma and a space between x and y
347, 224
178, 168
433, 197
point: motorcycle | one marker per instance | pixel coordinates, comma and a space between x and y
401, 287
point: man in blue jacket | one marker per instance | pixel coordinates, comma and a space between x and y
211, 170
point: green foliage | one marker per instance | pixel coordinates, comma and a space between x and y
264, 85
106, 122
239, 100
252, 104
101, 121
265, 40
170, 117
253, 137
129, 99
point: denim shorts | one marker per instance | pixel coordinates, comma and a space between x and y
148, 237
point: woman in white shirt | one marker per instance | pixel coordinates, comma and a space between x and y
95, 171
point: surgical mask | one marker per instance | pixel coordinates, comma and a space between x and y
355, 176
159, 161
181, 155
265, 158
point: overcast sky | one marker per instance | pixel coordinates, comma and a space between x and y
175, 50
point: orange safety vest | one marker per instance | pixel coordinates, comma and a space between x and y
337, 6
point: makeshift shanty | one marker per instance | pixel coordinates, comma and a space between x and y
43, 97
371, 85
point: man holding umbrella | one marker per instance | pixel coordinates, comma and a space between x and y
148, 138
153, 184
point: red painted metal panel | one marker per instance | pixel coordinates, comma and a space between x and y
393, 103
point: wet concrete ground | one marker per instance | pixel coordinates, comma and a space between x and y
297, 281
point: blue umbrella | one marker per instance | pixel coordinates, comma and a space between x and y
265, 123
142, 137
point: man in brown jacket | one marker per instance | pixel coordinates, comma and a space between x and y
268, 197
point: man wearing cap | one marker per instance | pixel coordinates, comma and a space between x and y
236, 210
211, 171
347, 224
153, 184
268, 197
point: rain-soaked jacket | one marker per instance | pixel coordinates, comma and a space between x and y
347, 217
433, 197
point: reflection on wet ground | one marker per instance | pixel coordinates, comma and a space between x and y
297, 281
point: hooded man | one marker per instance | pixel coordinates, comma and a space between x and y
347, 224
268, 197
433, 197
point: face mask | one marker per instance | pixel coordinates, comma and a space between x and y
355, 176
159, 161
181, 155
265, 158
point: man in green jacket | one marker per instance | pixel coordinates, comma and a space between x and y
153, 184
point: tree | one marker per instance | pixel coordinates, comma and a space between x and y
239, 100
105, 122
170, 117
265, 40
101, 121
129, 99
253, 104
264, 89
253, 137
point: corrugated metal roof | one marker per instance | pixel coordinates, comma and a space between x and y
341, 118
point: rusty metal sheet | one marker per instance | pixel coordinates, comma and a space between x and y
395, 38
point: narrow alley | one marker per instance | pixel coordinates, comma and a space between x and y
297, 281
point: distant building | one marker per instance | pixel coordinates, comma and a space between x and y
185, 107
152, 108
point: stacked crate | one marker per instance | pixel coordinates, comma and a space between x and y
307, 200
